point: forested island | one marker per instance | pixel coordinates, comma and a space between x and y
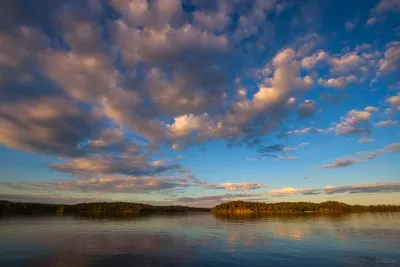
243, 207
233, 207
101, 208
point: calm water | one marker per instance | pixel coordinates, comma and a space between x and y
202, 240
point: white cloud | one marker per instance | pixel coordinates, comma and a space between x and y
385, 123
371, 109
309, 130
242, 186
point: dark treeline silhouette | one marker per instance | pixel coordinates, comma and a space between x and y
328, 206
104, 208
239, 207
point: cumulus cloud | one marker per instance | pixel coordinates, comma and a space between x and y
340, 82
395, 101
391, 62
362, 157
385, 6
349, 123
114, 82
351, 189
50, 125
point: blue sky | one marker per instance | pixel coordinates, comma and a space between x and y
198, 102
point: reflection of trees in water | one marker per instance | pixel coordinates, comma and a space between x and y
121, 249
341, 226
190, 239
289, 217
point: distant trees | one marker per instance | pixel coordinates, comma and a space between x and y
238, 207
103, 208
327, 206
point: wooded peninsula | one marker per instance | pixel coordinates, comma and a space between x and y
233, 207
295, 207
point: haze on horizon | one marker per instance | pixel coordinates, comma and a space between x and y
196, 102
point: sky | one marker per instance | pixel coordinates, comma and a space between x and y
198, 102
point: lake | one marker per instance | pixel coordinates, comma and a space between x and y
201, 239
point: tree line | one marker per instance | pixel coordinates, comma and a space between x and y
15, 208
327, 206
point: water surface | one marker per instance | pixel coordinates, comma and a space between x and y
359, 239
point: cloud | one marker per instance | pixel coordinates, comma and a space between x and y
391, 62
216, 199
271, 148
309, 130
389, 112
339, 82
306, 109
349, 123
365, 140
242, 186
134, 164
48, 125
286, 191
351, 189
371, 21
362, 157
289, 149
284, 158
385, 123
395, 101
386, 6
342, 162
371, 109
113, 84
109, 184
351, 25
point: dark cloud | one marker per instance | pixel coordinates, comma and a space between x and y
271, 148
136, 165
306, 109
49, 125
